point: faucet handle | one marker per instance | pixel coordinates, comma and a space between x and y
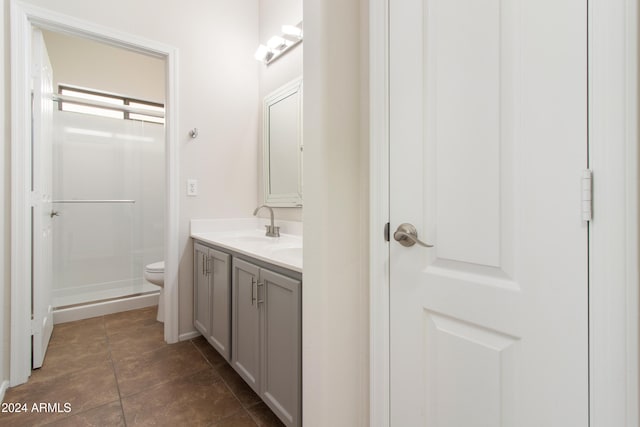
272, 230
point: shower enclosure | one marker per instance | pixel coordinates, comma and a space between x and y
108, 207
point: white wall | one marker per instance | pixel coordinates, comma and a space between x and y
336, 295
93, 65
273, 15
218, 94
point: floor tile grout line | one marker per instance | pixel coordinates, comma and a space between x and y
160, 384
242, 409
70, 415
75, 415
202, 354
253, 418
216, 370
224, 376
115, 373
222, 380
242, 405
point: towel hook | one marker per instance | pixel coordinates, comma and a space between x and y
193, 133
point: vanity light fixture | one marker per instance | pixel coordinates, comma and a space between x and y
278, 45
263, 54
292, 30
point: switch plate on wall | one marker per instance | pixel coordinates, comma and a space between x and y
192, 187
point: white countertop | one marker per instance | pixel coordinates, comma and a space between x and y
247, 236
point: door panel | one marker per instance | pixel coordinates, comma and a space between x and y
465, 104
488, 141
42, 213
245, 353
220, 271
482, 362
202, 320
280, 313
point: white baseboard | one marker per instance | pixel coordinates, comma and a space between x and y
102, 308
3, 388
189, 335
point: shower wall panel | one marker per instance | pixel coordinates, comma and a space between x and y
109, 175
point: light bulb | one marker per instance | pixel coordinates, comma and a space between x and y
277, 43
292, 30
263, 53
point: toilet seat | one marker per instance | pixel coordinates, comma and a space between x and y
156, 267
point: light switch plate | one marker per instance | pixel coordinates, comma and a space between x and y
192, 187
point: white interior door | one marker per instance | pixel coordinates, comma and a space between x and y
488, 137
42, 212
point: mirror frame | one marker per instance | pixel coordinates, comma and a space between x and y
291, 200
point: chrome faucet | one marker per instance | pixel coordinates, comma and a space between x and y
272, 230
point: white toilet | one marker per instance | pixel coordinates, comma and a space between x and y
154, 273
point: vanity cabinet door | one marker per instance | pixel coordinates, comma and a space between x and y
201, 294
245, 323
280, 323
220, 304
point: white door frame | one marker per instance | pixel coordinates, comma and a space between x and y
614, 232
23, 17
613, 235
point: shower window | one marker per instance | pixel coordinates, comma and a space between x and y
103, 104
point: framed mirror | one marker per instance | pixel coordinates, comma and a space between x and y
283, 146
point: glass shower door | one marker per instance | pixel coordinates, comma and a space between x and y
109, 193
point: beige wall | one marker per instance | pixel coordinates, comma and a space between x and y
93, 65
218, 94
273, 15
336, 293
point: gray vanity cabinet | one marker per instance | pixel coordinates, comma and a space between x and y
212, 297
245, 323
267, 335
281, 346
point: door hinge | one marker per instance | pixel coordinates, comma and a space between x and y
34, 327
587, 195
34, 198
386, 232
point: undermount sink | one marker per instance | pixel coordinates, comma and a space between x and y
257, 239
286, 252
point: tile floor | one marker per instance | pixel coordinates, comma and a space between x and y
116, 370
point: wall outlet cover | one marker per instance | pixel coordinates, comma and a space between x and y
192, 187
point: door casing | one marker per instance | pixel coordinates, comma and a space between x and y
23, 17
614, 156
